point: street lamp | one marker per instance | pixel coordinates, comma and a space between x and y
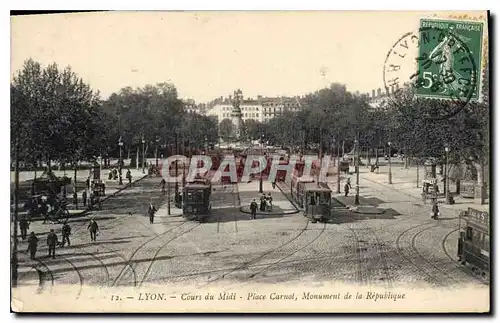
356, 165
390, 166
156, 151
143, 157
337, 143
120, 162
262, 150
446, 181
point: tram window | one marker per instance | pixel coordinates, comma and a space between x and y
189, 196
468, 235
313, 200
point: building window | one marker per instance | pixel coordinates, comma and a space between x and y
257, 109
245, 115
257, 115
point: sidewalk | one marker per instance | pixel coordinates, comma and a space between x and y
250, 191
112, 188
405, 181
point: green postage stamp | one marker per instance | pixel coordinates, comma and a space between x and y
449, 59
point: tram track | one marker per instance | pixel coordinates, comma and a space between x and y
290, 254
77, 271
129, 262
246, 264
40, 273
437, 269
155, 256
412, 249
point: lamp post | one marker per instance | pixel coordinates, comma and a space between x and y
156, 150
262, 149
143, 157
206, 145
120, 162
446, 181
356, 165
338, 163
390, 166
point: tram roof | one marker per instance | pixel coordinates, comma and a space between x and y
317, 187
196, 185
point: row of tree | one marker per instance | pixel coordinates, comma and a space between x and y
56, 116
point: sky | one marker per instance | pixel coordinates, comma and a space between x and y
210, 54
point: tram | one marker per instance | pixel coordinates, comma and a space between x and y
297, 188
474, 241
196, 200
317, 200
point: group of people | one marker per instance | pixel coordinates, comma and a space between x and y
52, 238
266, 205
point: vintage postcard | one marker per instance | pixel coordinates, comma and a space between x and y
285, 161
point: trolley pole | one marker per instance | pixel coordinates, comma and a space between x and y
14, 264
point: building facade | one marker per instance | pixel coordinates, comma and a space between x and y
261, 109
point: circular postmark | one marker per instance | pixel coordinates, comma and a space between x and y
433, 63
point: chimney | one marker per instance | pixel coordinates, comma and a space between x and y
379, 92
373, 94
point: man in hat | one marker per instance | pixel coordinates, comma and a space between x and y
32, 244
52, 243
253, 209
24, 225
84, 198
65, 232
263, 203
151, 211
93, 228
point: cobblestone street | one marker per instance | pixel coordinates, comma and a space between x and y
399, 247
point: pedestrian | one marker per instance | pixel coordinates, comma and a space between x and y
44, 210
346, 189
269, 203
151, 211
65, 232
87, 183
32, 244
94, 229
52, 243
435, 210
75, 199
253, 209
129, 176
263, 202
162, 183
349, 182
274, 185
24, 225
103, 189
84, 198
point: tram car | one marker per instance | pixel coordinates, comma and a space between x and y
196, 200
474, 241
317, 199
297, 188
